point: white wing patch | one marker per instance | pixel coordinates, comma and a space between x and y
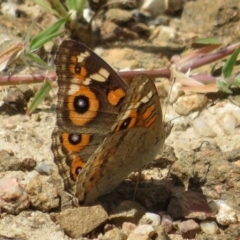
82, 56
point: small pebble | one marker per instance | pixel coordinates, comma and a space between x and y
29, 164
209, 227
189, 228
144, 230
150, 218
13, 197
226, 215
167, 223
187, 104
116, 234
44, 168
227, 122
8, 9
128, 227
138, 236
153, 7
202, 127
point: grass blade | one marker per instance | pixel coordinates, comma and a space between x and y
36, 59
44, 36
230, 63
41, 94
76, 5
47, 7
207, 41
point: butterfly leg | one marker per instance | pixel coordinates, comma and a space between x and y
139, 177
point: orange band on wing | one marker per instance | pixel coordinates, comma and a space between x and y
77, 163
115, 96
81, 119
72, 67
85, 138
151, 121
148, 112
148, 116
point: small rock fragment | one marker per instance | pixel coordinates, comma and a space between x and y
29, 164
116, 234
189, 204
160, 233
226, 215
44, 168
128, 227
167, 223
150, 218
8, 162
144, 229
69, 220
138, 236
209, 227
153, 7
13, 197
188, 228
42, 194
188, 104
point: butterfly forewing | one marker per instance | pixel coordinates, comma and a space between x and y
90, 96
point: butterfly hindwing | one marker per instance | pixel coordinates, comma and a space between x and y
133, 142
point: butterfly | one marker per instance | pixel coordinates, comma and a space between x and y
105, 129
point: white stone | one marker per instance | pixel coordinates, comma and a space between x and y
144, 230
9, 9
209, 227
227, 122
226, 215
151, 218
153, 7
201, 125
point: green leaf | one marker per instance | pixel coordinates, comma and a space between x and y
29, 31
238, 82
47, 34
223, 86
44, 40
59, 7
41, 94
47, 7
230, 63
76, 5
36, 59
210, 40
